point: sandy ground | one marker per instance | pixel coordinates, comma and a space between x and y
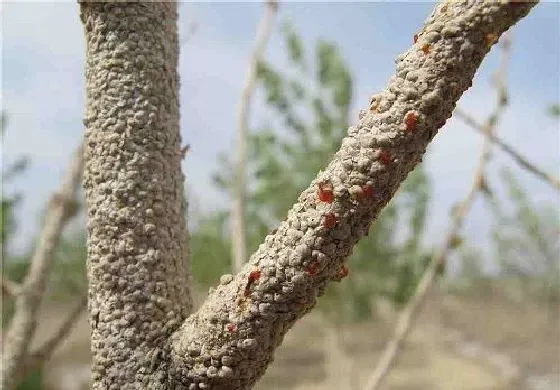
459, 343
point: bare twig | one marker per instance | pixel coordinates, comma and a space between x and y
45, 351
409, 314
239, 206
518, 157
193, 26
22, 327
10, 287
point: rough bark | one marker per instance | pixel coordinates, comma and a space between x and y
137, 238
409, 314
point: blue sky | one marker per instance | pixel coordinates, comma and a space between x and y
43, 93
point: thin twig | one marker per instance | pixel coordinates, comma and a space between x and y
238, 223
518, 157
193, 26
10, 287
45, 351
409, 314
61, 207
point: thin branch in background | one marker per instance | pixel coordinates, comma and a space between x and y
186, 37
410, 313
45, 351
239, 206
518, 157
9, 287
60, 209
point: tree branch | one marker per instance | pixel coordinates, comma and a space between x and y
138, 267
45, 351
410, 313
239, 205
245, 318
193, 26
9, 287
518, 157
60, 209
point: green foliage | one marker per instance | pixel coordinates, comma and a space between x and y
68, 279
9, 202
527, 241
554, 110
33, 381
294, 46
210, 249
311, 104
472, 278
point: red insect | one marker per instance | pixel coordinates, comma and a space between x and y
325, 192
441, 124
415, 38
253, 277
330, 221
341, 273
232, 328
368, 191
410, 120
491, 39
385, 157
313, 268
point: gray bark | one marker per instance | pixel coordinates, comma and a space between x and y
138, 266
142, 336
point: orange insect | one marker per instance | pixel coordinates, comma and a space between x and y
385, 157
368, 191
426, 48
253, 277
491, 39
330, 221
341, 273
313, 268
232, 328
410, 120
326, 192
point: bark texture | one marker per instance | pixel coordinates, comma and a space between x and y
137, 238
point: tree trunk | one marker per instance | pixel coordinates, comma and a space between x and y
137, 239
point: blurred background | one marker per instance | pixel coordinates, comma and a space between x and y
492, 322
